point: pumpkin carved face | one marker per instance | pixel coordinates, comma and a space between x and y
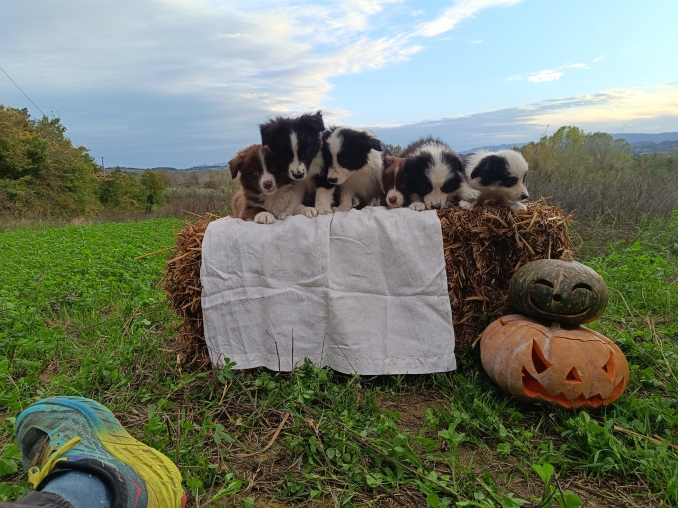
577, 368
557, 290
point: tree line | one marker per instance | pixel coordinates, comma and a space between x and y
43, 174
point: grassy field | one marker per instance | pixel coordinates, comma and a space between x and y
78, 316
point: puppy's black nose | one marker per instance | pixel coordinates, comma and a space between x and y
333, 180
524, 195
298, 176
435, 207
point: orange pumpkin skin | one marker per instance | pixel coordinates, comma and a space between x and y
576, 368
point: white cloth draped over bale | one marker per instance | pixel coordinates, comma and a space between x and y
361, 292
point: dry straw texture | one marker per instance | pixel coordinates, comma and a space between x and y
483, 247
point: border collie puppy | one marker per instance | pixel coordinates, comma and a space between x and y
498, 176
393, 182
295, 145
434, 176
263, 194
351, 168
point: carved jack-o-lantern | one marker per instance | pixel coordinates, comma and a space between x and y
577, 368
559, 290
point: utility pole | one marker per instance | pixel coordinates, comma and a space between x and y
103, 168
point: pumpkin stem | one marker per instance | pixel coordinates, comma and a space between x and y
567, 255
555, 326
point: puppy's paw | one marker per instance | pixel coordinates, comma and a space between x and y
322, 210
517, 206
418, 207
283, 216
471, 195
264, 218
466, 204
309, 212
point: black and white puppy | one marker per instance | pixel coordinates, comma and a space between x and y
434, 176
295, 144
351, 168
498, 176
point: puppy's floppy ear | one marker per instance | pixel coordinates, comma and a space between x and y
235, 165
312, 122
375, 144
410, 165
389, 160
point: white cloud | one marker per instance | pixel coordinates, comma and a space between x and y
647, 109
547, 75
458, 12
544, 76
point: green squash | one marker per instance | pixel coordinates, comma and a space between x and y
559, 290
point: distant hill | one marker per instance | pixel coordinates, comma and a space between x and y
654, 138
640, 143
642, 147
203, 168
495, 148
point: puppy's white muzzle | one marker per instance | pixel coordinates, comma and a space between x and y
297, 171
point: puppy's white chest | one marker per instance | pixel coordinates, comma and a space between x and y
276, 203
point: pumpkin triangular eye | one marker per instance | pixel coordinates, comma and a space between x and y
538, 360
609, 366
573, 376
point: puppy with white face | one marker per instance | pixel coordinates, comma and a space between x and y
295, 144
434, 176
263, 194
498, 176
351, 168
393, 182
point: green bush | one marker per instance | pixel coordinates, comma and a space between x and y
41, 172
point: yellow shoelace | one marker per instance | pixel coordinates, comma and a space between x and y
48, 459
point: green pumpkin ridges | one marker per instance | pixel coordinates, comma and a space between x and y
556, 290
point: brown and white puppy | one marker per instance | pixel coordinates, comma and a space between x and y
263, 195
393, 183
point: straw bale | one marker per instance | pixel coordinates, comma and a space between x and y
483, 247
182, 283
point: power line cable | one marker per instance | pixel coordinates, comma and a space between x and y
34, 104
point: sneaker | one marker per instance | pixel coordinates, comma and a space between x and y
61, 434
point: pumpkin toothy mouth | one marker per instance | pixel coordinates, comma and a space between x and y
571, 315
533, 388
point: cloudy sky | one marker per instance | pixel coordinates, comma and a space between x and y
148, 83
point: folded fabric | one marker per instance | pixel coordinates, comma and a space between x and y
361, 292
